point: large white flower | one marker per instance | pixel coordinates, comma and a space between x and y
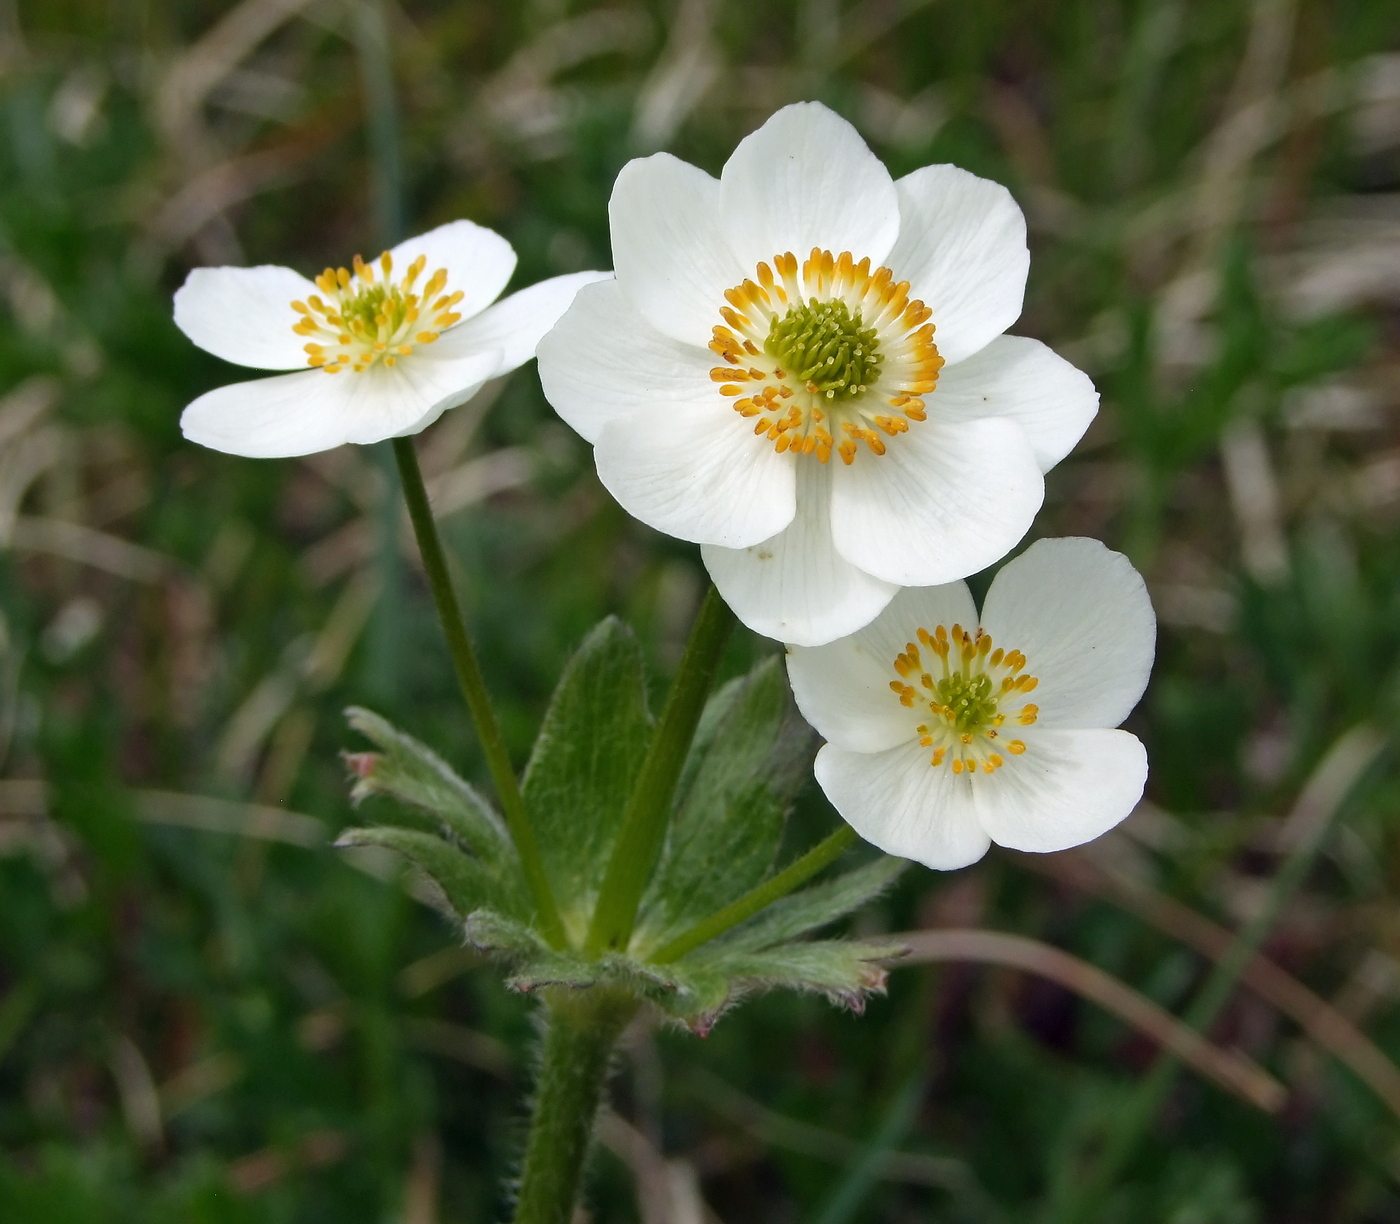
800, 366
393, 343
934, 746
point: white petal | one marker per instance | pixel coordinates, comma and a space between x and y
245, 315
945, 500
696, 471
806, 179
896, 800
843, 688
962, 248
437, 384
1067, 788
796, 587
603, 361
1081, 615
672, 260
1014, 377
300, 414
516, 324
478, 261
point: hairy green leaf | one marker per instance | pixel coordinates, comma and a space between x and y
410, 772
745, 768
816, 906
843, 970
584, 763
468, 883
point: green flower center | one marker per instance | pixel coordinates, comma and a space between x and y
366, 318
969, 701
825, 345
960, 691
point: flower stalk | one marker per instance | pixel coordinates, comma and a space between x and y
473, 687
793, 876
648, 809
581, 1028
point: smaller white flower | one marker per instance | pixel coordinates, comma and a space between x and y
391, 344
935, 748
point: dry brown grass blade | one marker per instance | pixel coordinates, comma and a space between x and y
209, 60
668, 1191
27, 799
74, 542
1231, 1070
1325, 1024
779, 1130
475, 1049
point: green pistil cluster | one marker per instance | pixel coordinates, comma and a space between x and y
822, 343
969, 701
372, 302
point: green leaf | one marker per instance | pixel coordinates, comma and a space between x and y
843, 970
503, 937
468, 883
413, 774
584, 763
816, 906
749, 760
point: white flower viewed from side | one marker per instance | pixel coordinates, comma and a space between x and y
391, 344
801, 367
945, 733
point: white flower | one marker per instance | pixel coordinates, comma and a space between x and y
800, 366
934, 748
393, 343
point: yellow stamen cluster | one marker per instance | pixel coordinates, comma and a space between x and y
365, 318
974, 681
831, 351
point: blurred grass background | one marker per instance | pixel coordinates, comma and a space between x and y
208, 1015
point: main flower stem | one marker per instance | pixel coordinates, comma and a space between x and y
649, 807
796, 873
488, 729
581, 1029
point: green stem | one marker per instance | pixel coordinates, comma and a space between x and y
649, 807
1320, 803
580, 1032
469, 676
796, 873
371, 32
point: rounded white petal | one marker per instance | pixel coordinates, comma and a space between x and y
672, 260
1081, 615
1051, 400
300, 414
435, 384
806, 179
945, 500
603, 361
245, 315
1067, 788
896, 800
696, 471
478, 261
515, 325
843, 688
796, 587
962, 248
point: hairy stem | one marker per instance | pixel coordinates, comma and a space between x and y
649, 807
795, 874
464, 661
581, 1029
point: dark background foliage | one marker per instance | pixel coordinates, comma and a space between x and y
208, 1015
